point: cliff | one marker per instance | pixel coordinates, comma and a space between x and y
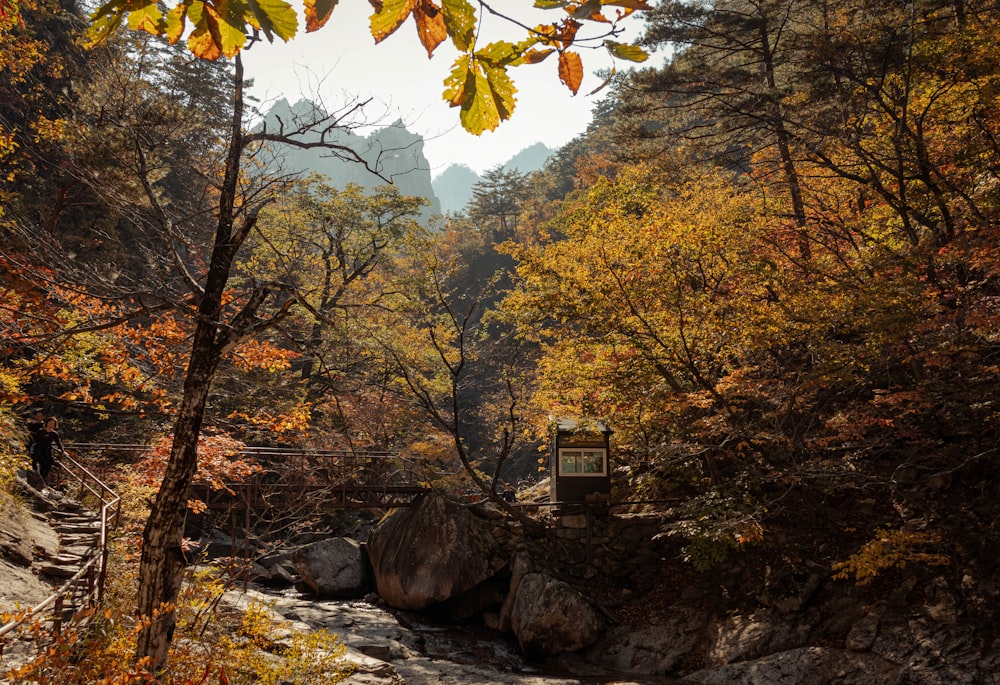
390, 154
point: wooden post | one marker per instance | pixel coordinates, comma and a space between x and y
590, 533
57, 612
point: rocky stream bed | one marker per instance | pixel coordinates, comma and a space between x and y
444, 593
392, 648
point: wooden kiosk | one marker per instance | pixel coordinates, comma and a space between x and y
580, 469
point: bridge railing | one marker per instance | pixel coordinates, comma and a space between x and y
323, 479
86, 586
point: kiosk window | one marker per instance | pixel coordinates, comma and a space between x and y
581, 462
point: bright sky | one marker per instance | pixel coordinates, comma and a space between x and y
341, 62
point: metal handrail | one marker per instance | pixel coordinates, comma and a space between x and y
109, 500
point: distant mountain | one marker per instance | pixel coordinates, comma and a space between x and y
392, 152
530, 158
453, 186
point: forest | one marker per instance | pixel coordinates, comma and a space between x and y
770, 264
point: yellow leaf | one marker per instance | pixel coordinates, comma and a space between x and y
483, 91
277, 17
203, 45
146, 18
389, 17
228, 25
460, 20
104, 21
454, 91
175, 23
632, 53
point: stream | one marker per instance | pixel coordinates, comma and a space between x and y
408, 649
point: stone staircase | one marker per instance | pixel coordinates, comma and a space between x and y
79, 532
72, 559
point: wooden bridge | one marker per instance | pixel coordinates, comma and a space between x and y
294, 479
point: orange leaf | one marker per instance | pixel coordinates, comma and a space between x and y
317, 13
571, 70
430, 25
202, 44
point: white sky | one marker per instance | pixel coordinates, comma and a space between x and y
340, 62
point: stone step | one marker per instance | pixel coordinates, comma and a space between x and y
78, 539
60, 567
87, 519
79, 551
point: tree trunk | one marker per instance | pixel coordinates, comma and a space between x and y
161, 564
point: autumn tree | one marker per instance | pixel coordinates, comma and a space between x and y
333, 250
323, 242
42, 60
448, 361
478, 84
791, 92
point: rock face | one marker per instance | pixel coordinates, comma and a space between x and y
549, 617
333, 568
393, 152
431, 552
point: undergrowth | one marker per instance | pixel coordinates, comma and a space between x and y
214, 643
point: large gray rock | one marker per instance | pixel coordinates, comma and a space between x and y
549, 617
334, 567
431, 552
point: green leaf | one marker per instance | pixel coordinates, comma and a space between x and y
390, 17
626, 51
484, 92
275, 18
550, 4
460, 20
467, 87
503, 91
479, 109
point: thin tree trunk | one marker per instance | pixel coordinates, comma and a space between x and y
161, 564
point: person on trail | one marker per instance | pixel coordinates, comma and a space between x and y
46, 442
34, 426
509, 494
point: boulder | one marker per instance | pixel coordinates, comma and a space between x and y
430, 552
549, 617
334, 568
217, 544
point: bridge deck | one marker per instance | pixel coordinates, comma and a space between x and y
319, 479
